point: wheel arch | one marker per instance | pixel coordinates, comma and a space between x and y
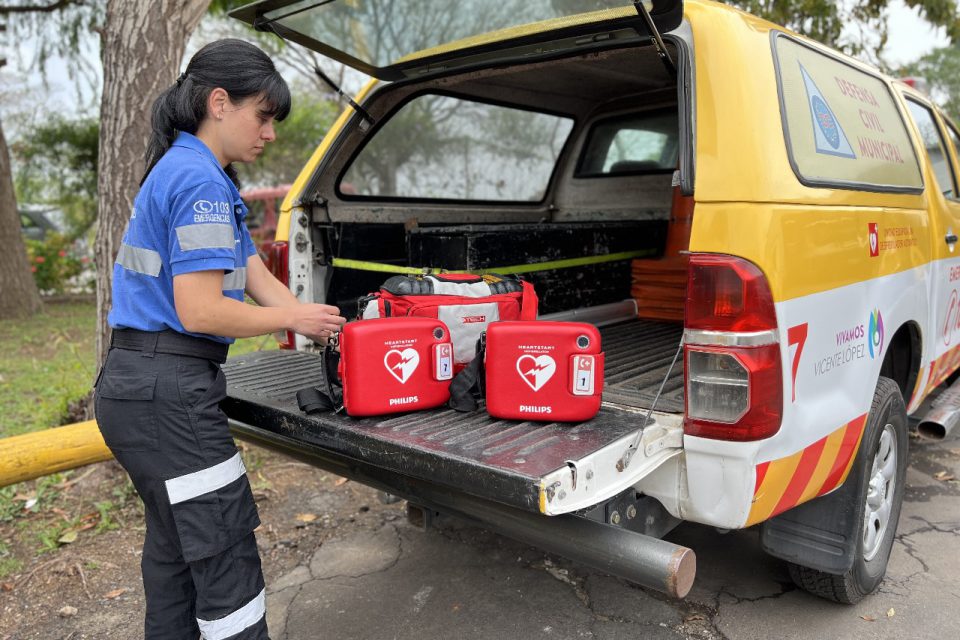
903, 358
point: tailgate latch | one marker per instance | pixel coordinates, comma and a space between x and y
656, 438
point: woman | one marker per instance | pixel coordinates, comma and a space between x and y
178, 302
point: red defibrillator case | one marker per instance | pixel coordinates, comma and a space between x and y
543, 371
392, 365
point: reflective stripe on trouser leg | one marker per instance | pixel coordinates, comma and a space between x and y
231, 602
192, 485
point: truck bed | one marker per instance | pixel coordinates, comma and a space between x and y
499, 460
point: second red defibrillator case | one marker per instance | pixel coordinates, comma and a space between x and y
543, 371
390, 365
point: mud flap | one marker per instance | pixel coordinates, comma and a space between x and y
812, 534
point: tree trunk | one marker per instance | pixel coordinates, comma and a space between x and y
18, 291
143, 44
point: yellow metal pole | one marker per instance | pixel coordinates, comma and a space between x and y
41, 453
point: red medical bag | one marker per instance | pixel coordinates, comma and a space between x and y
466, 303
543, 371
391, 365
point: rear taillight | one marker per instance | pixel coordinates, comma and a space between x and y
732, 369
279, 265
727, 294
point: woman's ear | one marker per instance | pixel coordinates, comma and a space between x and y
216, 101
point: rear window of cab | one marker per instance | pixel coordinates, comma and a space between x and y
631, 144
841, 124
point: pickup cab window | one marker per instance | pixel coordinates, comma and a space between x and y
446, 148
638, 143
935, 146
955, 139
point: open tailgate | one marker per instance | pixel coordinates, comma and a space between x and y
542, 467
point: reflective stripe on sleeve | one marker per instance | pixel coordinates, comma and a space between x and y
236, 279
145, 261
191, 485
205, 236
232, 624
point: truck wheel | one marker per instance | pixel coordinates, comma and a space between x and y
879, 470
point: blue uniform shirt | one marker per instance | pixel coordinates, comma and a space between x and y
188, 216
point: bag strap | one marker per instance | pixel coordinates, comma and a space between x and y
328, 395
528, 301
470, 379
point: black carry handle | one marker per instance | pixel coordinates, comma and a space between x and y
470, 379
328, 395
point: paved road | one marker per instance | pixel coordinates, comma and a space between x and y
457, 581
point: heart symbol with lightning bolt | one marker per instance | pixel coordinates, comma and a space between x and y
401, 364
536, 371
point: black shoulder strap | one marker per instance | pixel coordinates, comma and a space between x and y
327, 395
471, 378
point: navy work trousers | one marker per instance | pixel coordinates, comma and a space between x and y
159, 415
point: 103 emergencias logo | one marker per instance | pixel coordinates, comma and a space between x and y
875, 334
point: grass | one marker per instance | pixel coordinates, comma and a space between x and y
8, 563
47, 362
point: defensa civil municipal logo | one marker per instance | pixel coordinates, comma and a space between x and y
828, 136
875, 334
826, 121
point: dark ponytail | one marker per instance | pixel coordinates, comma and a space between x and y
239, 68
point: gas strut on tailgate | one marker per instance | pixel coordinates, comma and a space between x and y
624, 460
656, 39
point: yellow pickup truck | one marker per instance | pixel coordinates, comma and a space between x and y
694, 181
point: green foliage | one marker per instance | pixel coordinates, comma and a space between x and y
944, 13
54, 262
941, 70
105, 508
57, 164
824, 20
9, 508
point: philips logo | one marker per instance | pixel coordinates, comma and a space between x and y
528, 408
408, 400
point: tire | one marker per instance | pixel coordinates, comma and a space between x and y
880, 465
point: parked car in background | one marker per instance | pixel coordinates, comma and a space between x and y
263, 204
37, 221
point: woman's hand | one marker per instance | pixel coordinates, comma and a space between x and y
316, 321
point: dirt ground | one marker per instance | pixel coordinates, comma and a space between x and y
90, 587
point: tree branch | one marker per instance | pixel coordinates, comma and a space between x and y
36, 8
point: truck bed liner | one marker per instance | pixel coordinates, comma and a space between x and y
500, 460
